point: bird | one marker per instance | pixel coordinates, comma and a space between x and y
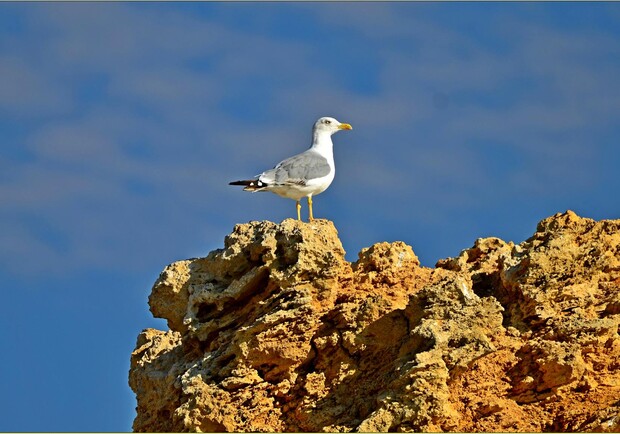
302, 175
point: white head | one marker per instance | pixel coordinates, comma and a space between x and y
329, 125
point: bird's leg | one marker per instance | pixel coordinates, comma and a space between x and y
298, 205
310, 208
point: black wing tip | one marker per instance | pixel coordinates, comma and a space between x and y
250, 184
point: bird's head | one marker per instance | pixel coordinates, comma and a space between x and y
330, 126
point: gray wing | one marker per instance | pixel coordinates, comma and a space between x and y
297, 169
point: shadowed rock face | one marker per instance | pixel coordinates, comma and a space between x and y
278, 332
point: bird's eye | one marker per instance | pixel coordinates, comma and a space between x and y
327, 121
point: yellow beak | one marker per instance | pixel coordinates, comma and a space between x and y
345, 127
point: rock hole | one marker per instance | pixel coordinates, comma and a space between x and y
485, 285
287, 251
457, 343
205, 312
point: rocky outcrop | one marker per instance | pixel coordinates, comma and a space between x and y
278, 332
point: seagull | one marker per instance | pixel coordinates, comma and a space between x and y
302, 175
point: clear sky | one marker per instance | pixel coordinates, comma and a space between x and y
122, 123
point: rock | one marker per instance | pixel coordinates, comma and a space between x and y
278, 332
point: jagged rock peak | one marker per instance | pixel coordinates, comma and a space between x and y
278, 332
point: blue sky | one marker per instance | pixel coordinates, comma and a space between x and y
122, 123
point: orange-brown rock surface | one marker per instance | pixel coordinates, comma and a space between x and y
278, 332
